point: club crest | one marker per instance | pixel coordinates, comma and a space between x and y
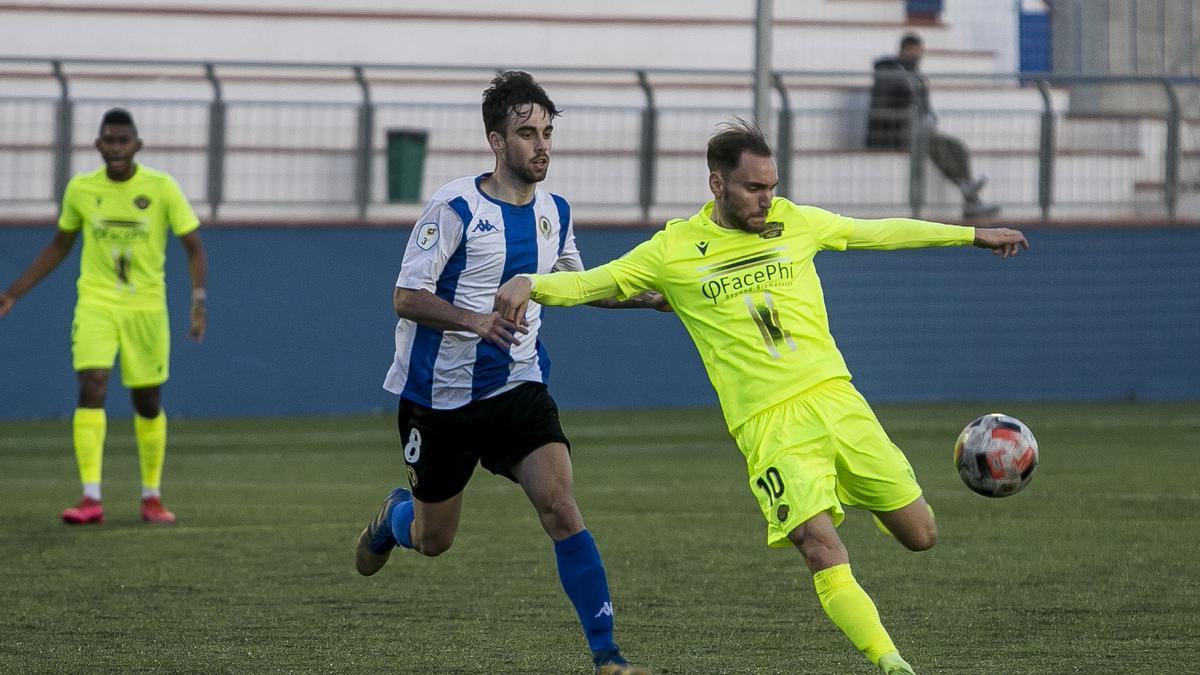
428, 236
772, 230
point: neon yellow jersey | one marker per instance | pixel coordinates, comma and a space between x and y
751, 302
124, 228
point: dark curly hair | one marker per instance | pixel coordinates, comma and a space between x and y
725, 148
513, 91
119, 116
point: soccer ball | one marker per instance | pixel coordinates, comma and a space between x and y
996, 455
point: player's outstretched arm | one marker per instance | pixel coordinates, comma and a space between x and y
429, 310
1001, 240
648, 300
43, 264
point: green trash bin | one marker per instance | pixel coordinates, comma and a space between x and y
405, 164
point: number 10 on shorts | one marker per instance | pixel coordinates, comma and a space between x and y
771, 484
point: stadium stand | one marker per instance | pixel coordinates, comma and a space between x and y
291, 132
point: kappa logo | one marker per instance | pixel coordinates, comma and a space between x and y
702, 246
605, 610
484, 226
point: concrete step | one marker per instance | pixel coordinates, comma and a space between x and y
890, 11
676, 34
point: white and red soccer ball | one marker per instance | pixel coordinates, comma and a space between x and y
996, 455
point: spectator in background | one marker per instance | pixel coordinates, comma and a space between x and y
897, 87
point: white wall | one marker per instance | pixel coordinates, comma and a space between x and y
986, 24
811, 34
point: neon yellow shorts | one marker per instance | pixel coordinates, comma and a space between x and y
143, 338
819, 451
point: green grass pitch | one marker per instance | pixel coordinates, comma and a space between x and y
1092, 569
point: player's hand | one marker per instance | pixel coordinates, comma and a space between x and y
656, 301
498, 330
6, 303
1003, 241
512, 298
199, 316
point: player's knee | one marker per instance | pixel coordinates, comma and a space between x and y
923, 538
821, 554
820, 549
92, 386
561, 518
146, 407
433, 544
147, 401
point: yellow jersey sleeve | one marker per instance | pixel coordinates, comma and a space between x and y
895, 233
179, 211
71, 219
633, 273
837, 232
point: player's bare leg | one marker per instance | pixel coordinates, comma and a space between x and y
427, 527
818, 541
147, 401
545, 475
913, 525
93, 385
845, 602
435, 524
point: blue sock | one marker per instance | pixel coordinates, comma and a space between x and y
583, 578
400, 519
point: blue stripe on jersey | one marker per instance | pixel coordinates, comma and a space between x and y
521, 257
418, 387
543, 358
463, 209
520, 241
564, 217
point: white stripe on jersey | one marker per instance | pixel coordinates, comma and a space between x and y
463, 247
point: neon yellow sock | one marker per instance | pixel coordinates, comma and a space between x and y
851, 610
88, 431
151, 436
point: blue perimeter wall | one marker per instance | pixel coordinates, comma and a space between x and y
301, 323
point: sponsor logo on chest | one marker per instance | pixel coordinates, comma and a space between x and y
749, 273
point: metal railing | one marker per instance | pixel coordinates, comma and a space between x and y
326, 153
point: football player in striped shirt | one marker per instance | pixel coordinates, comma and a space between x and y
472, 385
740, 276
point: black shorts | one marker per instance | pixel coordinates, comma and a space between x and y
442, 447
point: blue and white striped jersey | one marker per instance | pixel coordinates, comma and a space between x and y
463, 247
